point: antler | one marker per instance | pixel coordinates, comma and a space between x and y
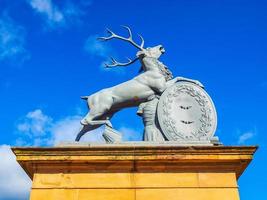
129, 39
114, 63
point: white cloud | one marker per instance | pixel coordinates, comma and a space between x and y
12, 40
95, 47
14, 183
35, 123
55, 16
66, 130
245, 137
34, 127
38, 129
130, 134
48, 10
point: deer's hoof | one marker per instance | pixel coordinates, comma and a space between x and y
108, 123
84, 122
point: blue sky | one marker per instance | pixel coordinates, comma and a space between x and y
49, 58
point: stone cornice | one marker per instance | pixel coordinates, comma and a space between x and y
134, 158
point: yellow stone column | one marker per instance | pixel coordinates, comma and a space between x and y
135, 172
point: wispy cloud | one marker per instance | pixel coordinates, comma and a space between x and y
14, 183
66, 129
130, 134
103, 51
244, 137
38, 129
48, 10
35, 123
12, 40
94, 47
35, 128
55, 16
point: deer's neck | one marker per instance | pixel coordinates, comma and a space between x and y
153, 64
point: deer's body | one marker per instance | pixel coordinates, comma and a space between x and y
154, 80
131, 93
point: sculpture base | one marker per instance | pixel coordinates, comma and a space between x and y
114, 172
112, 142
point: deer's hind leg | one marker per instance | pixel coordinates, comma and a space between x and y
84, 130
98, 110
91, 119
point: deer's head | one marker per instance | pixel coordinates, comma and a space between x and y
154, 52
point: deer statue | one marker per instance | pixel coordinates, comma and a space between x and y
154, 79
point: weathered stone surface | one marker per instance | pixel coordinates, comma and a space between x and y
141, 91
134, 180
186, 113
137, 194
112, 172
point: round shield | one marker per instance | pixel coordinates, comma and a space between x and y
186, 113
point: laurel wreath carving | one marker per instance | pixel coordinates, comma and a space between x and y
206, 119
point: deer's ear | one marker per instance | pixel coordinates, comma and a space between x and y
140, 53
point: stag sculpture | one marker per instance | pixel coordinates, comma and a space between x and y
154, 79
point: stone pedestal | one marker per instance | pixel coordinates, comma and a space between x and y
130, 172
